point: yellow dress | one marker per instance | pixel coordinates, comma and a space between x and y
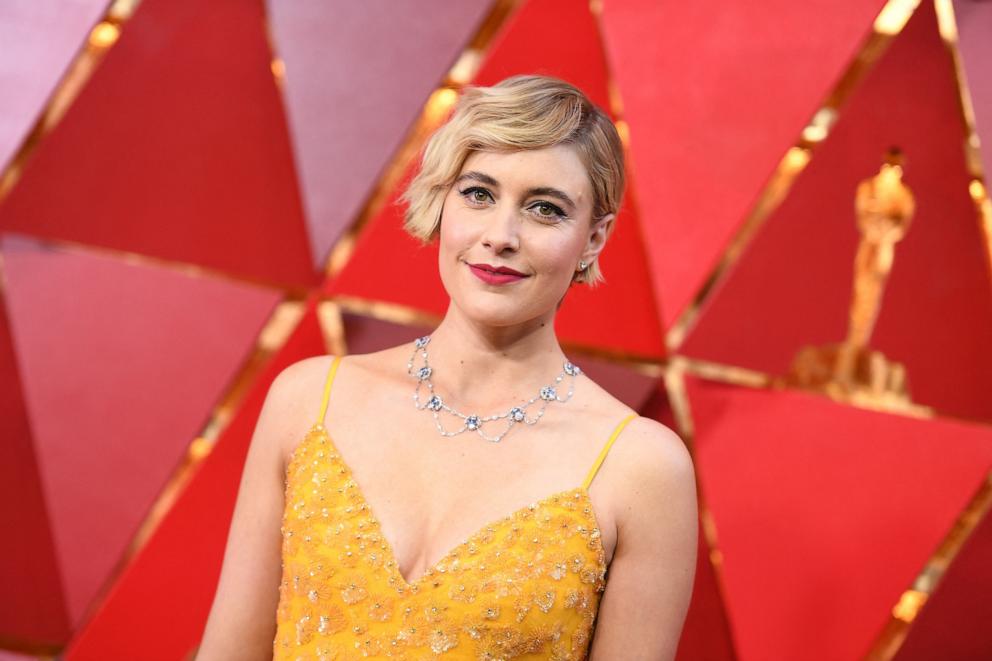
526, 586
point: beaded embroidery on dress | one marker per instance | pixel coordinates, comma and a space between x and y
526, 586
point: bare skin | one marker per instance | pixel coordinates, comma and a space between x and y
495, 348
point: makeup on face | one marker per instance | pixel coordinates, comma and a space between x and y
489, 275
543, 208
517, 222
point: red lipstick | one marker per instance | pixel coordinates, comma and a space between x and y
496, 275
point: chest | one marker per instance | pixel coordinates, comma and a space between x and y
432, 491
527, 581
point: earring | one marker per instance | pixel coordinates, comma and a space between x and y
582, 266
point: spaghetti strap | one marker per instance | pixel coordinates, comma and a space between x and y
606, 449
327, 389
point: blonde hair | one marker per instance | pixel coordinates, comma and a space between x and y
521, 112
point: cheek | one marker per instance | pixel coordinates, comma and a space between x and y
453, 246
562, 256
455, 231
456, 241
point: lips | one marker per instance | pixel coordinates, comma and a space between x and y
493, 277
498, 269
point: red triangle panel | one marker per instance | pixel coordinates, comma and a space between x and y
954, 622
824, 513
33, 611
119, 364
974, 23
351, 98
166, 592
715, 93
177, 148
793, 285
38, 46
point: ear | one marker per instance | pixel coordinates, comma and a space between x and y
597, 238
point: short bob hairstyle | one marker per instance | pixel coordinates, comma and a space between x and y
521, 112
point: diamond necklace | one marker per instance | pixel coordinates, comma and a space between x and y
474, 422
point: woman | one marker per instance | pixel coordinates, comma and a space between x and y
447, 528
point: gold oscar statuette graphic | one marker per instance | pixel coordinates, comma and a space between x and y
852, 371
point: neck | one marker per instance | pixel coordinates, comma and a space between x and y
485, 369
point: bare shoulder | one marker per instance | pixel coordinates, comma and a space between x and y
656, 470
296, 392
298, 384
293, 400
649, 462
655, 454
647, 452
650, 578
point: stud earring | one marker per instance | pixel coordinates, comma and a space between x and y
582, 266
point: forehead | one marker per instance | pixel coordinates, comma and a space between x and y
552, 167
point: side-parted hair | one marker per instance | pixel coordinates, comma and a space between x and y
521, 112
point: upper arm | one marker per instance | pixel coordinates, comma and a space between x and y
242, 620
650, 579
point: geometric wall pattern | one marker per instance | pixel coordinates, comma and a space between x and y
954, 624
168, 575
351, 99
122, 360
973, 19
799, 266
825, 512
166, 245
176, 148
31, 32
714, 94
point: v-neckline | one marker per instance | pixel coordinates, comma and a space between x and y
432, 569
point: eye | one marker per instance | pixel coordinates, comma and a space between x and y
546, 210
476, 195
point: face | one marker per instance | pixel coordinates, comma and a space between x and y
530, 211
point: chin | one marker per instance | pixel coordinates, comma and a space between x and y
491, 306
491, 315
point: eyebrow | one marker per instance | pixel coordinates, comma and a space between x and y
478, 176
540, 190
552, 192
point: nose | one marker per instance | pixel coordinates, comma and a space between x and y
502, 231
